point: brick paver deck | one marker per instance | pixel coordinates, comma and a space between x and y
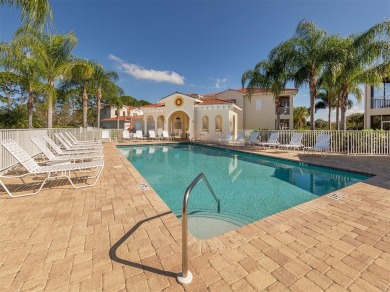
116, 237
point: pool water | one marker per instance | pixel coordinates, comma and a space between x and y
249, 186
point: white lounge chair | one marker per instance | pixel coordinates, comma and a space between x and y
228, 138
322, 144
295, 142
79, 145
166, 136
253, 139
239, 139
68, 146
51, 171
41, 144
106, 135
126, 135
152, 135
79, 142
57, 149
272, 140
139, 135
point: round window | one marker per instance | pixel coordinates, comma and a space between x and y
179, 101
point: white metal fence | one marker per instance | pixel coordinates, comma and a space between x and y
347, 142
364, 142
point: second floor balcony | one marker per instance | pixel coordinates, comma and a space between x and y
380, 102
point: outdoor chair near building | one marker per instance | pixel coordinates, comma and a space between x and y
139, 135
294, 144
55, 171
227, 139
80, 142
322, 144
165, 135
57, 149
51, 157
239, 139
69, 146
272, 141
126, 135
253, 139
79, 145
152, 135
106, 135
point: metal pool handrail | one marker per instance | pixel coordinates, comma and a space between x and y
185, 277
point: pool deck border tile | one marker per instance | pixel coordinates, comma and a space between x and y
115, 237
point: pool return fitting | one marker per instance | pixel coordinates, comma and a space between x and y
185, 277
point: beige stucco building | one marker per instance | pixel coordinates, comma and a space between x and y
213, 116
128, 117
377, 106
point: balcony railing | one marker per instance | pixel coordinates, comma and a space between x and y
380, 102
283, 110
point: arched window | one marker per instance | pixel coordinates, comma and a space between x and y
150, 123
218, 124
205, 123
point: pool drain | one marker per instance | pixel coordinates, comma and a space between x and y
337, 196
143, 187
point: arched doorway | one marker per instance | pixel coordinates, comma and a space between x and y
150, 123
178, 125
160, 125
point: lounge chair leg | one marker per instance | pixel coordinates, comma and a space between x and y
22, 195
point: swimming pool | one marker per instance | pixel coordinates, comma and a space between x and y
249, 186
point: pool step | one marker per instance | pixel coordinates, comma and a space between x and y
205, 227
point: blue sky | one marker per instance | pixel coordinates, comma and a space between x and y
200, 46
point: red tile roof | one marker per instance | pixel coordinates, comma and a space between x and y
258, 90
122, 118
153, 105
214, 101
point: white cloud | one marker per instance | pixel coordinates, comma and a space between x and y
354, 110
220, 82
148, 74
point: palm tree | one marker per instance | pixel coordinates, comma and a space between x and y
306, 53
9, 83
300, 115
34, 12
366, 59
269, 75
103, 82
80, 77
28, 69
54, 55
9, 80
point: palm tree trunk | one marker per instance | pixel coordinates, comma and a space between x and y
117, 118
50, 105
338, 113
99, 99
329, 117
277, 106
85, 107
343, 119
313, 93
30, 108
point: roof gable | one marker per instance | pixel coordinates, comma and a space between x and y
192, 96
